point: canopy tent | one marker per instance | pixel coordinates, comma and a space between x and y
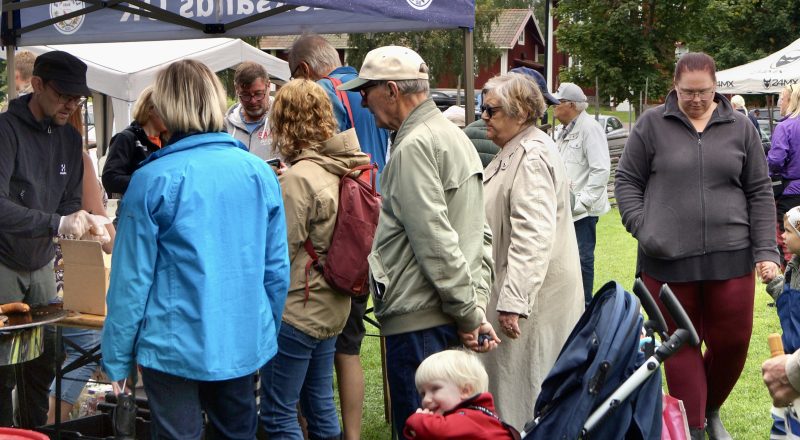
72, 21
767, 75
36, 22
120, 71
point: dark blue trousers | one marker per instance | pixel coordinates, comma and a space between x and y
177, 403
586, 233
404, 353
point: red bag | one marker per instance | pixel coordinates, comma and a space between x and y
674, 425
346, 268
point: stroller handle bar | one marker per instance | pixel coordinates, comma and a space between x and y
655, 320
678, 314
684, 333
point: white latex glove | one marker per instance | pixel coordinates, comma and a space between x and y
97, 229
84, 226
74, 225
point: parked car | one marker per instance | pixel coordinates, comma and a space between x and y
616, 133
766, 134
445, 98
763, 113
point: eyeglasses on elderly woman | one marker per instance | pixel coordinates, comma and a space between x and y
490, 110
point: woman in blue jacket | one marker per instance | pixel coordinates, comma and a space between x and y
200, 269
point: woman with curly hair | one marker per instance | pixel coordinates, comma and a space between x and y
304, 134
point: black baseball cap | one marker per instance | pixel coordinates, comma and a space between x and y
65, 71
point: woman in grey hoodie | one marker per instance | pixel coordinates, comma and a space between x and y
693, 188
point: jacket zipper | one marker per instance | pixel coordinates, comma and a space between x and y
702, 193
49, 161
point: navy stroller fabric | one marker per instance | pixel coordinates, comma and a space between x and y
600, 354
788, 305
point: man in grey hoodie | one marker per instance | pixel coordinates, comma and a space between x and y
247, 120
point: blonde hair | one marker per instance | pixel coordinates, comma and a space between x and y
459, 367
23, 63
301, 117
737, 101
143, 105
189, 98
793, 95
519, 96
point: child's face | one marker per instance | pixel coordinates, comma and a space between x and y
790, 238
440, 396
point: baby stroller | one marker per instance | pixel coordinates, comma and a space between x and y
603, 385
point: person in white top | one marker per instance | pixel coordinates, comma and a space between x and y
247, 119
584, 150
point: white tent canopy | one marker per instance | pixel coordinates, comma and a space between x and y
767, 75
120, 71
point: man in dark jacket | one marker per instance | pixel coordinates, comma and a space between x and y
41, 170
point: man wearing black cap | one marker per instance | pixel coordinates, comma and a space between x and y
41, 172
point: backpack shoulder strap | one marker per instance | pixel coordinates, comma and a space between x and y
342, 95
511, 430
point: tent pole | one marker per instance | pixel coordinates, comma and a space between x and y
469, 78
11, 85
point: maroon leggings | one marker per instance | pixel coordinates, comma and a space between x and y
722, 314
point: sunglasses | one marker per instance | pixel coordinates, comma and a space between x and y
490, 110
365, 88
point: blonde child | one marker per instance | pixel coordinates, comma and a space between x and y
791, 239
455, 403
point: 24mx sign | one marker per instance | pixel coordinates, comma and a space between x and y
726, 84
768, 83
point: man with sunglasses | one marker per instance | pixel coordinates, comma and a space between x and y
41, 172
247, 121
430, 265
584, 148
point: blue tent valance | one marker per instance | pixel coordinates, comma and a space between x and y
90, 21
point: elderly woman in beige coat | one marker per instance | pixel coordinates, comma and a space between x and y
537, 296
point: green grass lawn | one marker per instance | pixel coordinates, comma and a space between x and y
746, 413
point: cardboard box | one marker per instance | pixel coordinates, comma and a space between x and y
86, 270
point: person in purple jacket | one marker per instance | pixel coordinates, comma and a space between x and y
784, 156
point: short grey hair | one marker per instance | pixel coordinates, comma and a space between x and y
580, 106
316, 51
519, 96
414, 86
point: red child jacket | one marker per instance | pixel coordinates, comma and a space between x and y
467, 421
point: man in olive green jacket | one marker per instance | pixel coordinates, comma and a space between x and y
431, 257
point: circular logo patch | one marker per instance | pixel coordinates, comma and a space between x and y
70, 25
419, 4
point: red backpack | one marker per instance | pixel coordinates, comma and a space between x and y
346, 268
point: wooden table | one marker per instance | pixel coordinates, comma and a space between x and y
83, 320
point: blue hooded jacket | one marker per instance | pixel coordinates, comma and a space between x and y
200, 269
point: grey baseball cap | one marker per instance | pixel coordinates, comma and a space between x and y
570, 92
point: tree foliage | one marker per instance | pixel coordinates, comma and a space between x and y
623, 44
735, 32
443, 50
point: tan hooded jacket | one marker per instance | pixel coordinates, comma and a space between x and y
311, 198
